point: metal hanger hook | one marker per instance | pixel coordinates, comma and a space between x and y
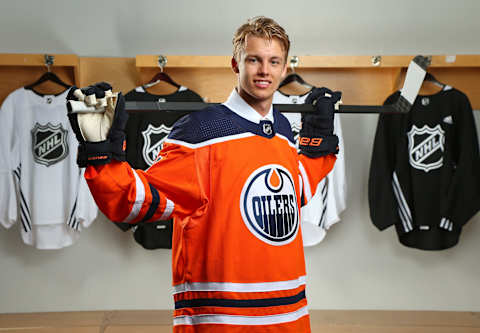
162, 61
293, 63
49, 61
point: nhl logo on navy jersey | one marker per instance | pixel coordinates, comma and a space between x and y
426, 146
49, 143
267, 128
153, 138
268, 205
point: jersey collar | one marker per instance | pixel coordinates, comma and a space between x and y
238, 105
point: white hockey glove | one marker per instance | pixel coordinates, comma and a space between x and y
98, 118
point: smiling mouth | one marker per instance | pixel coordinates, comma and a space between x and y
262, 83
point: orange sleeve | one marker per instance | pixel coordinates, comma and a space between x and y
171, 187
312, 171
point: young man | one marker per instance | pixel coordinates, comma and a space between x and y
231, 178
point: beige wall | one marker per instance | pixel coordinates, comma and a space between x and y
356, 266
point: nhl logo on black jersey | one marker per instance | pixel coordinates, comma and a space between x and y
153, 138
49, 143
426, 146
268, 205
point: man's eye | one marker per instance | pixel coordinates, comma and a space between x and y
252, 60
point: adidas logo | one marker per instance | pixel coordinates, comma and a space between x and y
448, 120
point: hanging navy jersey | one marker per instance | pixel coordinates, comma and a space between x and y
424, 171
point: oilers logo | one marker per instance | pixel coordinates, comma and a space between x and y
153, 138
49, 143
269, 205
426, 146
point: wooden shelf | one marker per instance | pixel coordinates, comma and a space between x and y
20, 59
38, 60
439, 61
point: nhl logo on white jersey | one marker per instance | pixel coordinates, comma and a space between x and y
49, 143
296, 132
153, 138
426, 147
268, 205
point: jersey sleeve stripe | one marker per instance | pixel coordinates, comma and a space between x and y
240, 320
403, 209
306, 182
169, 206
72, 214
154, 205
139, 198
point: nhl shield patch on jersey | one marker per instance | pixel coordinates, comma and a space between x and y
269, 205
49, 143
153, 138
426, 146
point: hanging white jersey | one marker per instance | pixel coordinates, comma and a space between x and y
42, 186
323, 210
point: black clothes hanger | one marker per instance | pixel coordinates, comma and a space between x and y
48, 76
294, 77
430, 78
161, 76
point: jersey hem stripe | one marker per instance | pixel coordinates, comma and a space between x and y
240, 303
240, 320
240, 287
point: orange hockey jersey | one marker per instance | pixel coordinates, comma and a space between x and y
233, 182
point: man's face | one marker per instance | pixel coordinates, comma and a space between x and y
260, 69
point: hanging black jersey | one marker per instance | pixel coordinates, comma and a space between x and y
42, 186
146, 132
424, 172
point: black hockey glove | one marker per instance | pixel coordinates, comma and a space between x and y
316, 136
98, 118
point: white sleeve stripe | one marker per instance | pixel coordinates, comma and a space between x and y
446, 224
403, 209
139, 198
442, 222
401, 212
306, 182
168, 210
396, 184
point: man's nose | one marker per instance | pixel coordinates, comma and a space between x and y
264, 68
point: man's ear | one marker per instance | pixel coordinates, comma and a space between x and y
235, 66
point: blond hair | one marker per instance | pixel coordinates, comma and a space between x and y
259, 26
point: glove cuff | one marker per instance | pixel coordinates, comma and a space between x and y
99, 153
318, 145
